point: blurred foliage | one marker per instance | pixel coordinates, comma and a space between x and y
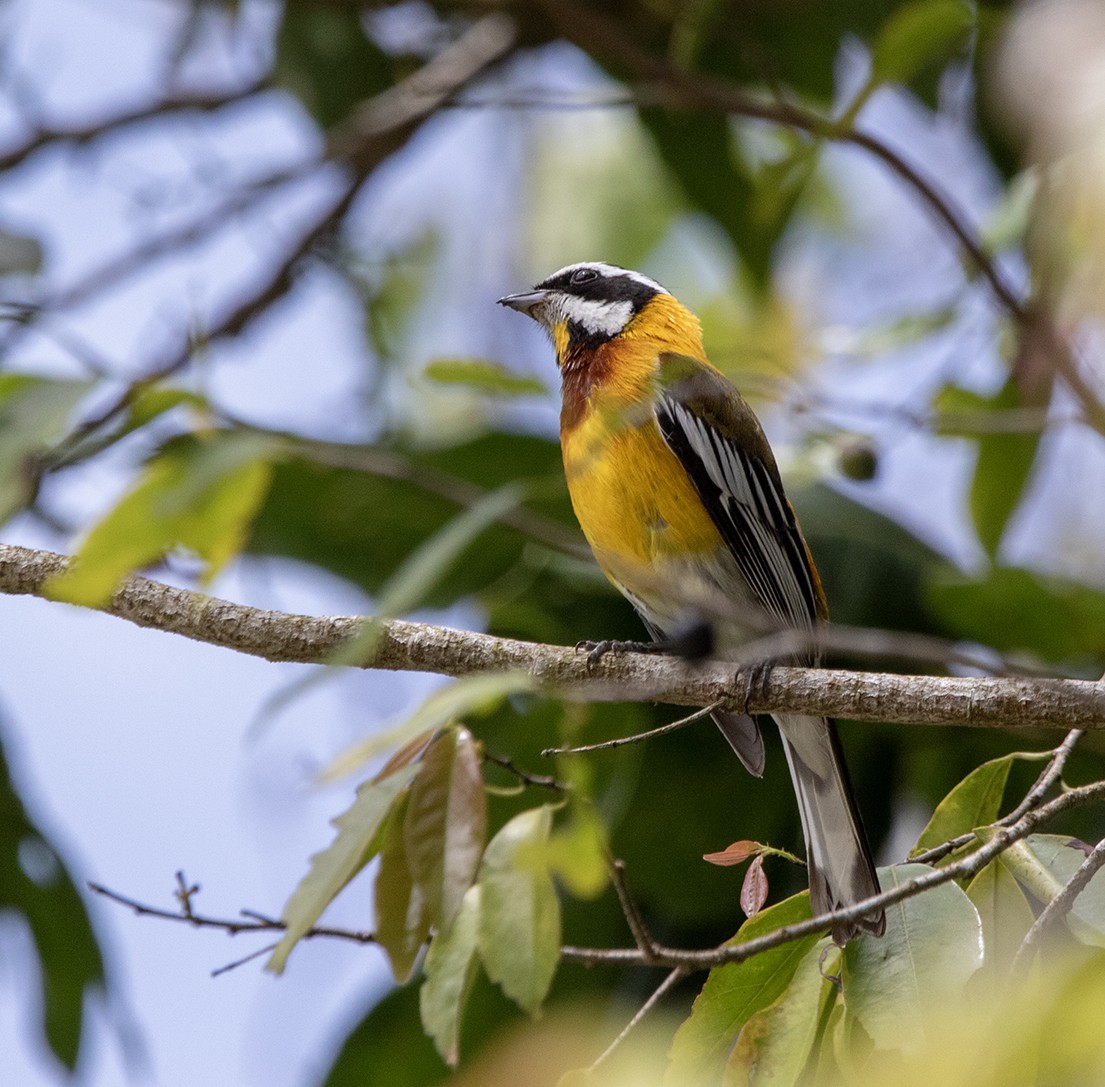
36, 885
457, 497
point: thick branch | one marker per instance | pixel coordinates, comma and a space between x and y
563, 672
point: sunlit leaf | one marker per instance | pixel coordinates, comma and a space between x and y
355, 844
450, 969
774, 1045
483, 375
34, 412
897, 985
476, 694
402, 914
201, 497
446, 823
578, 853
734, 993
520, 913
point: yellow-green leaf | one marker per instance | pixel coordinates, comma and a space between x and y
974, 802
483, 375
34, 412
520, 915
356, 843
450, 969
202, 497
774, 1045
446, 823
1005, 914
917, 35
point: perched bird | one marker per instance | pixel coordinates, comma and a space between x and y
678, 494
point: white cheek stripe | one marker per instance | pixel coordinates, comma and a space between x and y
597, 317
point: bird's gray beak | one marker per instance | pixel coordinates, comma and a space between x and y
524, 302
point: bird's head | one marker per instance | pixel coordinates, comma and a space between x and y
585, 306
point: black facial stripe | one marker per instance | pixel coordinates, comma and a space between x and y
617, 288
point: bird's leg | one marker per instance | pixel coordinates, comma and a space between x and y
753, 678
597, 650
695, 641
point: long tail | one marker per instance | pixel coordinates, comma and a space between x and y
841, 871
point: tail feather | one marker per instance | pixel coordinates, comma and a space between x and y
841, 870
744, 738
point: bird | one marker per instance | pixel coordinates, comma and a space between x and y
677, 491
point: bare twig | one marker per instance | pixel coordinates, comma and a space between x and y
641, 936
253, 922
90, 131
560, 671
639, 737
539, 781
665, 987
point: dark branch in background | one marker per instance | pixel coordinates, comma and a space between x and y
375, 131
91, 131
560, 671
605, 40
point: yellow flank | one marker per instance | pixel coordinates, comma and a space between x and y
634, 501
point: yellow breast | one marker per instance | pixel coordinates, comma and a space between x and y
635, 503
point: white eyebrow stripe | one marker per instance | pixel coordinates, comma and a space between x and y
611, 271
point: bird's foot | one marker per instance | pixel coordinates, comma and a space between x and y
753, 679
597, 650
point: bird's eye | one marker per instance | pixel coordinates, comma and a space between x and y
583, 275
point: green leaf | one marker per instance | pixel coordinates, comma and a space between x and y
917, 36
34, 412
36, 885
578, 853
1005, 915
484, 376
402, 917
356, 843
201, 496
897, 986
325, 58
1001, 472
520, 914
736, 992
1045, 863
774, 1045
450, 969
974, 802
1014, 609
446, 823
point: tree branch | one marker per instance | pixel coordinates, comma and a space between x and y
561, 671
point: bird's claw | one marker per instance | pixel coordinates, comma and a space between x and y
754, 679
597, 650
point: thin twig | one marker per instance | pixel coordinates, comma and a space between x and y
669, 983
231, 926
621, 741
540, 781
641, 936
1058, 908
